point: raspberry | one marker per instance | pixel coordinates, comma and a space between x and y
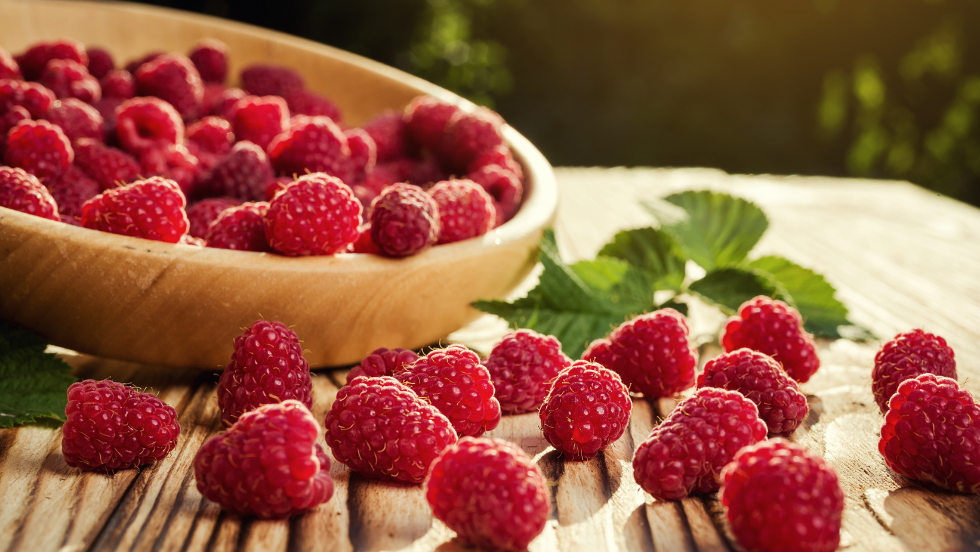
276, 185
652, 353
763, 381
118, 84
107, 108
363, 243
244, 173
779, 496
40, 148
907, 356
776, 329
314, 144
224, 104
148, 123
30, 95
68, 79
383, 362
454, 381
259, 120
465, 210
135, 64
8, 121
426, 171
22, 191
270, 80
380, 428
71, 190
209, 140
425, 121
8, 66
173, 78
504, 186
240, 228
112, 426
200, 215
36, 58
404, 220
100, 62
502, 511
173, 162
210, 58
305, 102
687, 451
523, 365
469, 135
316, 215
388, 132
109, 166
152, 209
501, 156
267, 465
931, 433
363, 154
386, 174
76, 118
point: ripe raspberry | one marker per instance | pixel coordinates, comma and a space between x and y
465, 210
118, 84
36, 58
907, 356
174, 162
148, 123
277, 185
100, 62
267, 465
135, 64
687, 451
9, 120
22, 191
8, 66
109, 166
502, 512
469, 135
152, 209
316, 215
224, 104
931, 433
363, 155
388, 132
500, 156
209, 139
107, 108
270, 80
68, 79
244, 173
111, 427
404, 220
523, 365
39, 148
383, 362
763, 381
210, 58
387, 174
259, 120
30, 95
363, 243
173, 78
200, 215
71, 190
426, 172
425, 122
241, 228
504, 186
776, 329
76, 118
305, 102
780, 496
454, 381
312, 144
380, 428
652, 353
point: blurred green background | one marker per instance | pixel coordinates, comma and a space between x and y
871, 88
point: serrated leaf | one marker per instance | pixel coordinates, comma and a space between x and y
33, 384
728, 288
652, 251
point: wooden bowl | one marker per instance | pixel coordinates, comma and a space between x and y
151, 302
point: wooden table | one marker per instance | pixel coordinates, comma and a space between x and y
900, 257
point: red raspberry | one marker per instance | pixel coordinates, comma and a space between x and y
316, 215
224, 104
404, 220
276, 185
426, 118
107, 108
776, 329
931, 433
468, 135
210, 58
454, 381
523, 365
71, 190
381, 428
261, 79
172, 78
267, 465
305, 102
68, 79
76, 118
388, 132
490, 493
40, 148
118, 84
780, 496
504, 186
32, 96
312, 144
36, 58
174, 162
244, 173
259, 120
687, 451
387, 174
22, 191
109, 166
200, 215
112, 426
209, 140
427, 171
363, 154
241, 228
9, 120
135, 64
907, 356
653, 353
501, 156
383, 362
763, 381
152, 209
363, 244
148, 123
465, 210
100, 62
8, 66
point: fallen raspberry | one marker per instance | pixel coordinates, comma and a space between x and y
210, 58
315, 215
270, 80
380, 428
111, 427
469, 135
490, 493
465, 210
780, 496
776, 329
240, 228
148, 123
22, 191
33, 97
174, 79
267, 465
383, 362
687, 451
39, 148
76, 119
504, 186
388, 132
500, 156
68, 79
259, 119
426, 118
305, 102
100, 62
404, 220
363, 155
71, 190
244, 173
313, 144
8, 66
36, 58
118, 84
907, 356
523, 365
200, 215
152, 209
109, 166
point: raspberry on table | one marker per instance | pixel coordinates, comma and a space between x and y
148, 123
71, 190
118, 84
33, 97
315, 215
210, 58
259, 119
100, 62
240, 228
931, 433
363, 155
687, 451
906, 356
779, 496
33, 61
772, 327
465, 210
383, 362
8, 66
201, 214
244, 173
380, 428
502, 512
111, 426
40, 148
454, 381
259, 79
468, 135
306, 102
68, 79
388, 132
22, 191
763, 381
500, 156
314, 144
523, 365
291, 474
152, 209
404, 220
505, 187
76, 119
426, 118
174, 79
110, 167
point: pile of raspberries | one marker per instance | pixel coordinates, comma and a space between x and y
162, 149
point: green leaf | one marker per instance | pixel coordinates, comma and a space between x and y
728, 288
33, 384
652, 251
616, 282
